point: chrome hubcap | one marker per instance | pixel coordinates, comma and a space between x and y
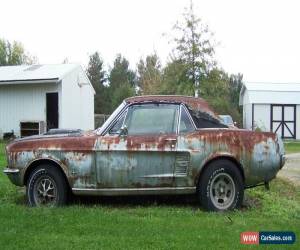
222, 191
45, 192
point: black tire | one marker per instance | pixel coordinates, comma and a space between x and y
49, 179
221, 186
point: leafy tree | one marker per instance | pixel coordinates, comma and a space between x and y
236, 83
122, 82
96, 74
222, 93
149, 75
14, 54
120, 73
216, 84
175, 80
194, 46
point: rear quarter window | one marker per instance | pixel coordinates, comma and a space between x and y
205, 120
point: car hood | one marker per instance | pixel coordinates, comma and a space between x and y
80, 141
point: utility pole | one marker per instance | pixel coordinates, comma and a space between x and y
196, 88
197, 81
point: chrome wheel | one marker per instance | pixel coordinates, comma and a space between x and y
45, 192
222, 191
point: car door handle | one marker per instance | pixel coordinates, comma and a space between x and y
171, 139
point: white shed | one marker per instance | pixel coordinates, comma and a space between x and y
36, 98
272, 107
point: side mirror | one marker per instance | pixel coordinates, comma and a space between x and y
123, 131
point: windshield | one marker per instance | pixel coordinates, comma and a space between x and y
112, 116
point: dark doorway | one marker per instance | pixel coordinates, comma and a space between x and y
52, 110
283, 120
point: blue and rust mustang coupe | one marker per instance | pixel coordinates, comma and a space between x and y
149, 145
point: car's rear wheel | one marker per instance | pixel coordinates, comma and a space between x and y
46, 186
221, 186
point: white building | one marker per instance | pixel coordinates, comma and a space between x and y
36, 98
272, 107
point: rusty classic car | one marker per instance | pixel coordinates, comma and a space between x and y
149, 145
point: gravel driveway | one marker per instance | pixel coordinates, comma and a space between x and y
291, 169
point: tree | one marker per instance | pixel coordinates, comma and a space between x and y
175, 80
96, 74
215, 85
122, 82
194, 46
236, 83
14, 54
222, 93
120, 73
149, 75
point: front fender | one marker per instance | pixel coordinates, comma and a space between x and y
24, 161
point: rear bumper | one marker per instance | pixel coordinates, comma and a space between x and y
282, 161
14, 175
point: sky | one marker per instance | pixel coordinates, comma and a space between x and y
258, 38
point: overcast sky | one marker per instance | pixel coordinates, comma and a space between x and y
258, 38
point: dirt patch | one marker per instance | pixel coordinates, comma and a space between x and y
291, 169
251, 202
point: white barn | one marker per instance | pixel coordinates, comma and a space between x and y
272, 107
36, 98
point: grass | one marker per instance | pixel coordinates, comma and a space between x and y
292, 147
143, 222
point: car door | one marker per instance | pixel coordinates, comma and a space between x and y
188, 151
142, 154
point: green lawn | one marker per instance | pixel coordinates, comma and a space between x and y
292, 147
143, 222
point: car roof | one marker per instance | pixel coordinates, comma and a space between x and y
195, 103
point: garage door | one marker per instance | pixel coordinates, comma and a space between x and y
283, 120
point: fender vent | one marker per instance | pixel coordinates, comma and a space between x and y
181, 164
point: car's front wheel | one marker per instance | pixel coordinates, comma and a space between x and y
221, 186
46, 186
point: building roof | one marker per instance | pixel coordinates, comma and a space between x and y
262, 86
274, 93
35, 73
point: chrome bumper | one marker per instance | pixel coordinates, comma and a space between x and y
11, 171
14, 175
282, 161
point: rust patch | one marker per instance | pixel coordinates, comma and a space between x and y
110, 140
160, 143
235, 139
82, 143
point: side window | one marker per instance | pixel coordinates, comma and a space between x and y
205, 120
152, 119
185, 124
118, 124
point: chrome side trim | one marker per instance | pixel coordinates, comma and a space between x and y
158, 176
134, 191
11, 171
